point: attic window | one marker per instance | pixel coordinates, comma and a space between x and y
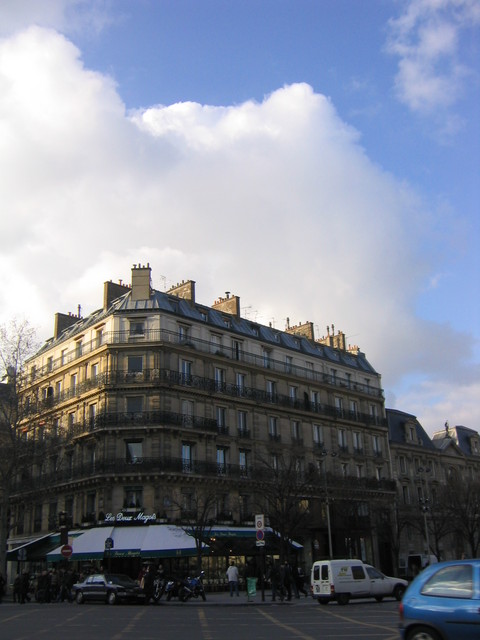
227, 322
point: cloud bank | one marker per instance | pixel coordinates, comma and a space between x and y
276, 202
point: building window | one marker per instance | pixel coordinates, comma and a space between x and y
274, 461
63, 357
134, 451
221, 413
90, 507
99, 337
133, 497
379, 473
78, 348
94, 371
267, 358
242, 422
406, 495
271, 390
353, 409
296, 431
339, 406
237, 349
92, 414
50, 364
73, 382
37, 518
272, 427
71, 420
377, 445
357, 442
243, 461
137, 328
219, 379
342, 440
344, 467
240, 380
221, 460
403, 464
293, 395
134, 405
215, 343
183, 333
359, 471
317, 435
135, 364
187, 457
186, 372
288, 364
187, 412
315, 400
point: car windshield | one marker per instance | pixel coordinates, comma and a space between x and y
119, 578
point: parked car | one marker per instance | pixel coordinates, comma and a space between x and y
341, 580
109, 588
443, 603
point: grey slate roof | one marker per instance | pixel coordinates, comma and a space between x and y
161, 301
396, 422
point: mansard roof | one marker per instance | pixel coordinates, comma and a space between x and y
168, 303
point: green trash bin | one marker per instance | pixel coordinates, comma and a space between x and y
251, 587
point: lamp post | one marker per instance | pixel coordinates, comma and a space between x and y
327, 503
425, 506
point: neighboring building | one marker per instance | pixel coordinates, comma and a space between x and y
423, 469
154, 398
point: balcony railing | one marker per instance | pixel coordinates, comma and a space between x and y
172, 337
101, 469
209, 385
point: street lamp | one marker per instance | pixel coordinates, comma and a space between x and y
425, 506
327, 503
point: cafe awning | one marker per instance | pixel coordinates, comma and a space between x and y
35, 549
153, 541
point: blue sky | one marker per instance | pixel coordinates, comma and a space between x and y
318, 158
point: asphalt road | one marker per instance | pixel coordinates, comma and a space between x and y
220, 618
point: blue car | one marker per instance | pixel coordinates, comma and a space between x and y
443, 603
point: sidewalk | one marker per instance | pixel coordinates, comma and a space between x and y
217, 598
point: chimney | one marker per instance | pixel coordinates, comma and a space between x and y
141, 280
62, 322
184, 290
305, 329
112, 291
229, 304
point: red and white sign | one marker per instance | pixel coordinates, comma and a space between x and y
66, 550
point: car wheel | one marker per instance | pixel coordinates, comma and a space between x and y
380, 598
80, 598
422, 633
204, 597
323, 600
343, 598
112, 597
398, 592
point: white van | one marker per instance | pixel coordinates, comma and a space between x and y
341, 580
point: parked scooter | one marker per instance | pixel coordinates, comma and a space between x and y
159, 588
172, 588
192, 588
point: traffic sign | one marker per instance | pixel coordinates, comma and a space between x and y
66, 550
260, 529
260, 521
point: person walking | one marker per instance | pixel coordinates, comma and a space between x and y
300, 581
233, 577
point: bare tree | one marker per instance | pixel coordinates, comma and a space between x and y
463, 504
17, 343
196, 517
285, 492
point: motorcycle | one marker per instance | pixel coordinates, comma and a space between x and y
192, 588
159, 588
172, 588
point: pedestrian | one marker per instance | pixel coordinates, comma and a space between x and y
288, 581
24, 588
148, 579
300, 580
275, 576
54, 585
17, 588
233, 577
2, 586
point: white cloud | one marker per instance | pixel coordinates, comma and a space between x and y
275, 201
426, 38
66, 16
